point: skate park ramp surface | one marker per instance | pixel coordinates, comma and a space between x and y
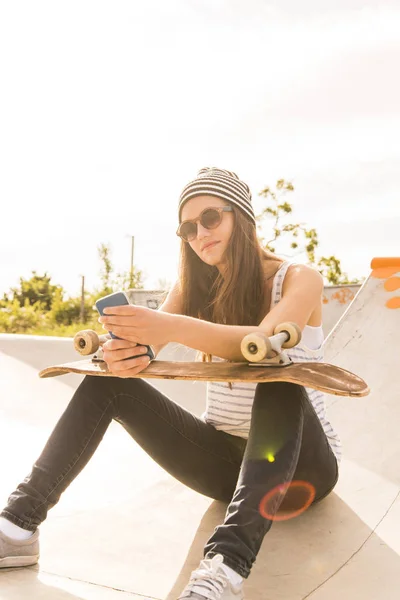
126, 529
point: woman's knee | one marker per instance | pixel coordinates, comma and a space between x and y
277, 413
105, 391
282, 395
97, 384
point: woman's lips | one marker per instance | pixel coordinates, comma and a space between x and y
210, 246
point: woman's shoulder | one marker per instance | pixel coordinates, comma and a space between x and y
304, 271
303, 275
295, 274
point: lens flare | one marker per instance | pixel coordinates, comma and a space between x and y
293, 499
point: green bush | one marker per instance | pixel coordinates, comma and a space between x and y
62, 320
21, 319
67, 312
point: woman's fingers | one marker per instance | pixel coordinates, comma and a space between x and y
123, 353
113, 344
130, 367
125, 359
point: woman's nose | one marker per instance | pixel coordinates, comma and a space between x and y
202, 231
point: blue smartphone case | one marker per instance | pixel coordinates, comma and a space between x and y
118, 299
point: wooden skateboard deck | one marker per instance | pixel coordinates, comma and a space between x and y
320, 376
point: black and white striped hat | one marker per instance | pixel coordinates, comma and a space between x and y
224, 184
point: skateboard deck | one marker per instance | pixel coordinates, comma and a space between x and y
320, 376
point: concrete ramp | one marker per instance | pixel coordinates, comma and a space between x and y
366, 341
125, 528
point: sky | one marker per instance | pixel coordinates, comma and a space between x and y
108, 109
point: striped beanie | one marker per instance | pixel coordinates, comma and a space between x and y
224, 184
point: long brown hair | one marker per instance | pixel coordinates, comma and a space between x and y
237, 297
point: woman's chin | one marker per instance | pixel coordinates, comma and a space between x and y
214, 263
209, 261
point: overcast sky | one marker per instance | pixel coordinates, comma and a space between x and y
107, 109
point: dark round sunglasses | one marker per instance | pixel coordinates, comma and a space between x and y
210, 218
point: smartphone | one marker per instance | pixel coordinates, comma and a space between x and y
119, 299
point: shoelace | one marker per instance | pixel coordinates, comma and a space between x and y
208, 580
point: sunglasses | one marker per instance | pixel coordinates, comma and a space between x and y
210, 218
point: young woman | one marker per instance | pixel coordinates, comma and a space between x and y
254, 441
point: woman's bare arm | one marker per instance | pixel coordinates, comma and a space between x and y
172, 304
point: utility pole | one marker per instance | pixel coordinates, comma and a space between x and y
131, 276
82, 316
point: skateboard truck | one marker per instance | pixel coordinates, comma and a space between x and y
263, 351
98, 357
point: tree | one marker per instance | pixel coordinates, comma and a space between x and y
329, 267
106, 268
37, 289
111, 282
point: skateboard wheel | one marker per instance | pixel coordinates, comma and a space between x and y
294, 332
255, 347
86, 342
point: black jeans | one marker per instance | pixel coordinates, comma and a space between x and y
286, 443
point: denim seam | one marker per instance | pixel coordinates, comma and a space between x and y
16, 520
177, 430
70, 466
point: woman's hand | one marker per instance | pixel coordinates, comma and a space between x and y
139, 324
114, 353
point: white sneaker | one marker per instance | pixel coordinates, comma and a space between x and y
19, 553
210, 581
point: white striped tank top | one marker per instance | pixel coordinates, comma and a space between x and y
229, 410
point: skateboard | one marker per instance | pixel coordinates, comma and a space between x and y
265, 361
